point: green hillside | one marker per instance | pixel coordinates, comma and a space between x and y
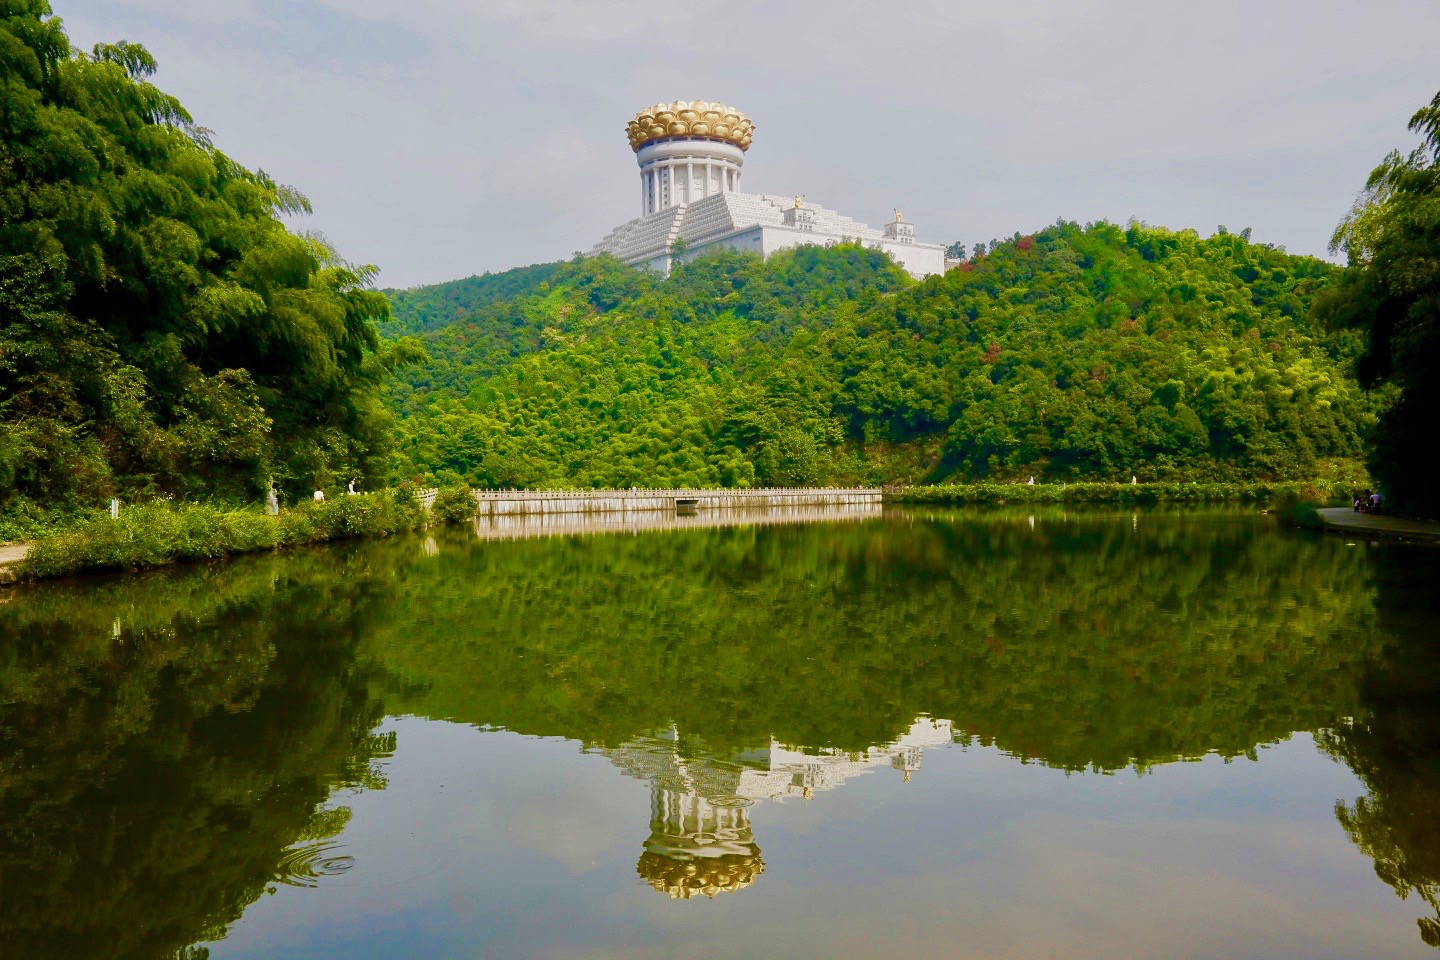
425, 308
1090, 351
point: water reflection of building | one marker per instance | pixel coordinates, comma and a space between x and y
699, 845
701, 841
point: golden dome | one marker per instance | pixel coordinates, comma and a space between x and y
690, 118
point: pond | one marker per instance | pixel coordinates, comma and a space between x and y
993, 734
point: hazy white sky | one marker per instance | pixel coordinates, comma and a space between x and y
440, 138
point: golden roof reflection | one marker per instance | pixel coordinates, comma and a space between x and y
710, 876
701, 840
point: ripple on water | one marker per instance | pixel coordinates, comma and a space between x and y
303, 866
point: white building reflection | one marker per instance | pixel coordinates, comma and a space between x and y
701, 841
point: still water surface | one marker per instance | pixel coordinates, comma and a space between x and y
957, 734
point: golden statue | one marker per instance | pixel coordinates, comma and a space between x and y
898, 218
799, 200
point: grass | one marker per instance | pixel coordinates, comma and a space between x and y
161, 533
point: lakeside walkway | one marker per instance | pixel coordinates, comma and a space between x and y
1346, 520
10, 555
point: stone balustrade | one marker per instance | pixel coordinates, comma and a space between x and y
498, 502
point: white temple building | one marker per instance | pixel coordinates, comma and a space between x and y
690, 154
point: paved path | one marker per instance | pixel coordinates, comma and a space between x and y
1346, 520
10, 555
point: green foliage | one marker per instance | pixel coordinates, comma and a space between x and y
1090, 492
160, 533
1392, 238
161, 332
167, 741
1302, 514
425, 308
453, 504
1091, 353
27, 520
850, 631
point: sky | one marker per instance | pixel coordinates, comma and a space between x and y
442, 138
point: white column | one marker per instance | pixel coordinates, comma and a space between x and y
689, 181
643, 194
651, 175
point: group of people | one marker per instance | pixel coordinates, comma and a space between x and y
1366, 502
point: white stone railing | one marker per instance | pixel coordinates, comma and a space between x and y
493, 502
523, 526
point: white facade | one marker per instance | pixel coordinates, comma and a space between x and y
777, 772
682, 170
690, 153
728, 219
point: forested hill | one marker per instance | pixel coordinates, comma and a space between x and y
1092, 351
424, 308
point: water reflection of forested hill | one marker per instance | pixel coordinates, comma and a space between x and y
1393, 743
1082, 643
165, 738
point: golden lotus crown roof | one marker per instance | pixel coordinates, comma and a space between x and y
683, 879
690, 118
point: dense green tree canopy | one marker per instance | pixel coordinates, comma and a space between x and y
426, 308
161, 331
1392, 237
1094, 352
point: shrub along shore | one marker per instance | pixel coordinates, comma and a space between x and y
161, 533
1138, 493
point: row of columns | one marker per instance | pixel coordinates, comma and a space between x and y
658, 186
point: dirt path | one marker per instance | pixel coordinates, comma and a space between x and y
1346, 520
